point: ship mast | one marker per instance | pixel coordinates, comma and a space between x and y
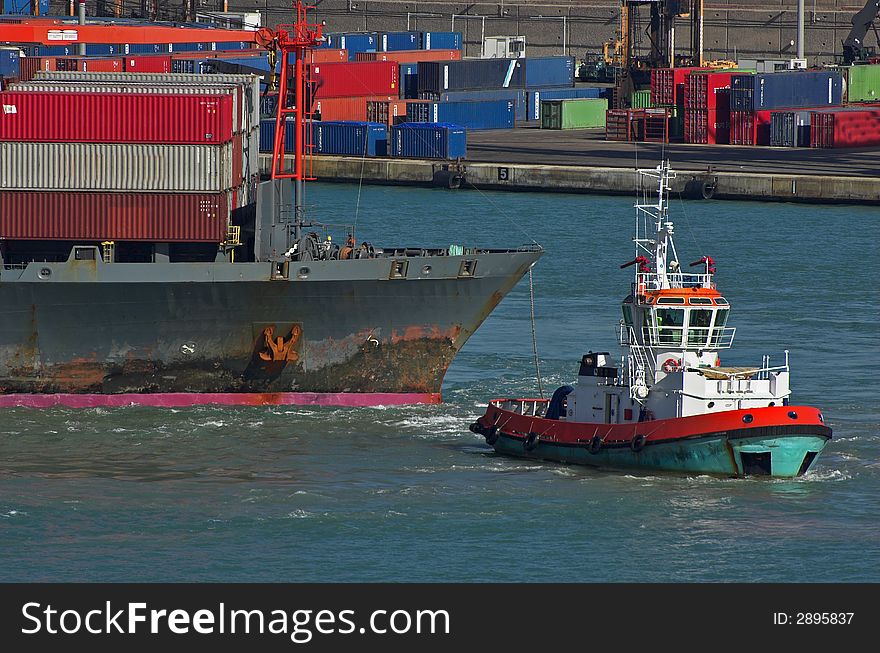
297, 40
652, 219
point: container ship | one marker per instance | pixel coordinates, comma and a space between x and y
142, 260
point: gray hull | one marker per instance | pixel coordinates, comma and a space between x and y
353, 326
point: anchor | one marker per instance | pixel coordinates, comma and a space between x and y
277, 349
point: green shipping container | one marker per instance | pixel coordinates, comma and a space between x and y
863, 83
641, 99
573, 114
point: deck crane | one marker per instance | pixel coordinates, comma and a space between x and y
854, 49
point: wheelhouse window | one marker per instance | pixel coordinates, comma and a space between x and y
627, 315
670, 324
718, 329
698, 327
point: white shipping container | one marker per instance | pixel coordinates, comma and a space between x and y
136, 167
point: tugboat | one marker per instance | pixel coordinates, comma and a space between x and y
668, 405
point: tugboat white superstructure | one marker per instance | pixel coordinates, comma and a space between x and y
669, 404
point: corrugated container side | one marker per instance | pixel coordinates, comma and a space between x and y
441, 40
549, 72
389, 41
147, 64
30, 65
388, 112
354, 138
355, 42
409, 81
325, 55
82, 117
667, 85
240, 114
267, 135
9, 63
346, 108
488, 114
410, 56
355, 79
518, 96
471, 74
707, 126
573, 114
534, 98
87, 216
863, 83
119, 167
786, 89
845, 127
428, 141
641, 99
249, 84
705, 90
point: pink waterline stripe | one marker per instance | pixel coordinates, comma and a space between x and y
178, 399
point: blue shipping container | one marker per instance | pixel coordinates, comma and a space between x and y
24, 7
102, 50
428, 140
489, 114
9, 63
543, 72
470, 75
355, 42
786, 89
267, 135
391, 41
441, 40
518, 96
355, 138
409, 80
232, 45
535, 97
146, 48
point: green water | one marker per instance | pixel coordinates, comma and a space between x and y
409, 494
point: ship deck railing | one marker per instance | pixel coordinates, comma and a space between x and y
527, 407
646, 281
678, 337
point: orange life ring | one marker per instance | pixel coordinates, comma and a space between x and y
670, 365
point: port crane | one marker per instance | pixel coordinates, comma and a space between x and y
854, 49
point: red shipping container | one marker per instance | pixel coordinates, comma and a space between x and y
750, 127
28, 66
116, 118
147, 64
410, 56
327, 55
90, 64
845, 128
667, 85
355, 79
707, 126
346, 108
705, 90
155, 217
386, 110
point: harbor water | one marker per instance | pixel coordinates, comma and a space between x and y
409, 494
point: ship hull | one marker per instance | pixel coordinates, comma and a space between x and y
752, 442
331, 332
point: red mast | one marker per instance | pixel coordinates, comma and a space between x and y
297, 39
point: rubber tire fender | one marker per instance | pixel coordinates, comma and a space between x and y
492, 435
638, 443
531, 441
595, 444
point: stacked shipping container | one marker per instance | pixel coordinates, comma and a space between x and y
126, 157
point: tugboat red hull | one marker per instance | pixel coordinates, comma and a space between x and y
778, 441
